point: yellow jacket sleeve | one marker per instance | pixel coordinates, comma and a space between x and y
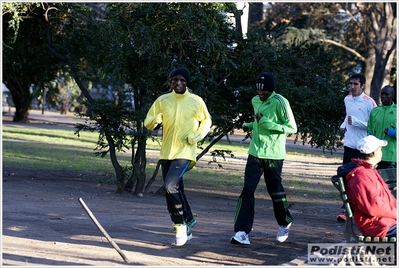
154, 116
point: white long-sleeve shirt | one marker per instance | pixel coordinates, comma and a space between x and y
359, 108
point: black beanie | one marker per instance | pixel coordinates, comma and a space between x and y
265, 81
181, 71
171, 74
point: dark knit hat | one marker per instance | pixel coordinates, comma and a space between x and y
265, 81
181, 71
170, 75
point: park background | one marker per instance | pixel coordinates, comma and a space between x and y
105, 63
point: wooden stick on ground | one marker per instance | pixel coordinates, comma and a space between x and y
103, 230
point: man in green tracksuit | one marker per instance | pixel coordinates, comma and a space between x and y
273, 121
382, 124
185, 121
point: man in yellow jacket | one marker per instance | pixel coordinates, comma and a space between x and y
185, 121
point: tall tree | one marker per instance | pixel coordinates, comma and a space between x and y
26, 60
365, 32
111, 51
380, 33
255, 13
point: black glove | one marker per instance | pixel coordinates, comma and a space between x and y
245, 128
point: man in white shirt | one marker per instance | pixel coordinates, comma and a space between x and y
358, 107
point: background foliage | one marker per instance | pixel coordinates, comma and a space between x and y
119, 55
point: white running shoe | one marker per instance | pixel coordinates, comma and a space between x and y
181, 234
240, 238
283, 232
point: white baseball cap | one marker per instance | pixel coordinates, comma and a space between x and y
369, 144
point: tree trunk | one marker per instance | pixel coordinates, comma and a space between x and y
120, 180
381, 71
383, 38
255, 13
105, 123
117, 167
22, 99
369, 70
237, 17
21, 111
154, 175
377, 81
140, 163
138, 176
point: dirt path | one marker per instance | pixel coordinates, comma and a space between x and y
44, 224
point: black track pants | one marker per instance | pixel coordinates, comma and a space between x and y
176, 200
245, 212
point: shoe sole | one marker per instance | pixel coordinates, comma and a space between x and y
282, 239
233, 241
178, 245
175, 245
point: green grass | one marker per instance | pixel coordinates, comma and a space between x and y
50, 149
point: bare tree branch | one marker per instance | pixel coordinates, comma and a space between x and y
361, 28
344, 47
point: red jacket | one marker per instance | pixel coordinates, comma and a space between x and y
373, 204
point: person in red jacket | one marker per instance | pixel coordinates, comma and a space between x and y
373, 204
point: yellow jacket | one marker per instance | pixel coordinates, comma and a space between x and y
185, 121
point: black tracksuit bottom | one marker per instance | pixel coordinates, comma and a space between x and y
176, 200
245, 211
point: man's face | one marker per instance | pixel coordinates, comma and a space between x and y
378, 154
386, 96
179, 84
170, 83
263, 94
355, 87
